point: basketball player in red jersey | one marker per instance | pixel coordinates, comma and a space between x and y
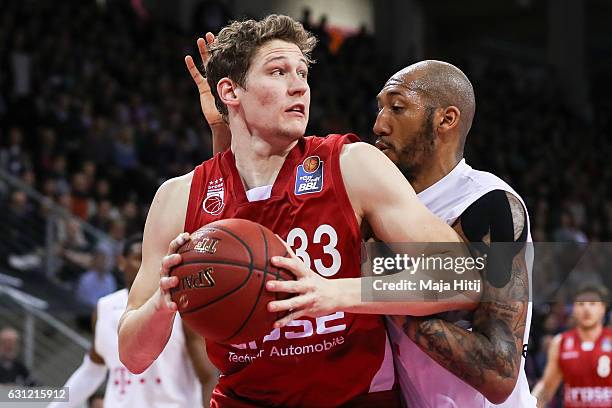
486, 360
581, 357
259, 75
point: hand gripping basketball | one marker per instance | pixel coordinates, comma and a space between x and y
314, 295
167, 282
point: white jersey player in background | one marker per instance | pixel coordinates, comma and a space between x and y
180, 377
425, 113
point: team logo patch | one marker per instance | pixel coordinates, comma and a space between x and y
213, 203
309, 176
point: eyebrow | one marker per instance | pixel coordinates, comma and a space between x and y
389, 94
282, 57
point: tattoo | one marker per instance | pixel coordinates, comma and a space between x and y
518, 214
491, 353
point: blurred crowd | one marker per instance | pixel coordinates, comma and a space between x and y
97, 110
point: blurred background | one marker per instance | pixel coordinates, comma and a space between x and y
97, 109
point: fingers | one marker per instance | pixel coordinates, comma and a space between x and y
292, 304
293, 265
285, 320
169, 262
195, 73
203, 50
168, 282
285, 286
178, 242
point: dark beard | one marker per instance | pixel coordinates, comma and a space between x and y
414, 156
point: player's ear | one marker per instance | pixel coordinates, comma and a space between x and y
226, 89
448, 119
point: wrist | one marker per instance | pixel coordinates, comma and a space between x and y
347, 293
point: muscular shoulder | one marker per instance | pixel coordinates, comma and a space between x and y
367, 174
362, 161
176, 187
167, 213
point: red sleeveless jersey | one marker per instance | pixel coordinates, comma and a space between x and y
320, 362
586, 373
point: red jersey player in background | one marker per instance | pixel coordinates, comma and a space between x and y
581, 357
332, 348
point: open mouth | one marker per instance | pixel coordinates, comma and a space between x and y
297, 108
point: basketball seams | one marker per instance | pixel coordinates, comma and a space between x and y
243, 289
261, 288
246, 280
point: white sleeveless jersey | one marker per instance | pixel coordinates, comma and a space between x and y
170, 382
424, 383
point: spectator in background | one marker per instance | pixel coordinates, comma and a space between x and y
81, 202
568, 231
13, 158
111, 248
12, 370
74, 248
96, 282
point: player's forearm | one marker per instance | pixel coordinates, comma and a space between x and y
490, 364
541, 393
221, 136
143, 334
351, 298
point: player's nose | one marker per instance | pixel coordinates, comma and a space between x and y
381, 126
297, 85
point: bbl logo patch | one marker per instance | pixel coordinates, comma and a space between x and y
309, 176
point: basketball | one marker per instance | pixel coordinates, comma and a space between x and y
221, 292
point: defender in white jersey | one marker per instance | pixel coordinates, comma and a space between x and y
170, 382
425, 113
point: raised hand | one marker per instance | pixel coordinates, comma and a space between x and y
207, 101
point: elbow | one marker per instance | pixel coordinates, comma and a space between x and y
498, 396
133, 366
500, 392
129, 356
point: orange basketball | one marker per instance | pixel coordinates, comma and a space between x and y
221, 292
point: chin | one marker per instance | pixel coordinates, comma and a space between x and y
293, 132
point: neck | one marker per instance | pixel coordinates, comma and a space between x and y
590, 333
434, 172
258, 159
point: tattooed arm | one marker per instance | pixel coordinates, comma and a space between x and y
488, 357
